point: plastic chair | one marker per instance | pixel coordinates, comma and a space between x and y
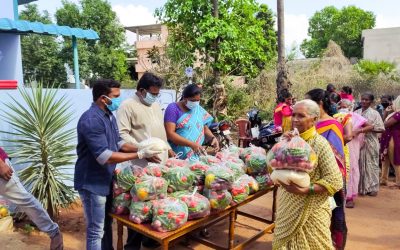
244, 132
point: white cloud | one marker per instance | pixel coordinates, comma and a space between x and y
385, 21
132, 15
296, 27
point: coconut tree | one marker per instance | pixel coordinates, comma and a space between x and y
282, 81
40, 141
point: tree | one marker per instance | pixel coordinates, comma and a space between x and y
40, 54
225, 35
343, 26
104, 58
282, 81
40, 140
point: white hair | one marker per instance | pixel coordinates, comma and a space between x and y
312, 107
396, 104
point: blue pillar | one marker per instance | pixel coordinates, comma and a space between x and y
76, 62
15, 10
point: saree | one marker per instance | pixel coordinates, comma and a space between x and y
191, 127
369, 153
303, 221
332, 130
354, 147
345, 119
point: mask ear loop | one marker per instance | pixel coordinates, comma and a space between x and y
178, 155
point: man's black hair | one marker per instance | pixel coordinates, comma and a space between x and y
103, 87
149, 80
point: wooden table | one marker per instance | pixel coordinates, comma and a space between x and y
232, 211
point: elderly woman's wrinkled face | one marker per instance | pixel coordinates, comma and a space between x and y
301, 119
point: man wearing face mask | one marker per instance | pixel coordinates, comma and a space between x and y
139, 118
186, 123
99, 149
386, 101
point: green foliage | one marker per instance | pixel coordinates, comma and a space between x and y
371, 68
105, 58
241, 51
239, 101
40, 54
343, 26
40, 141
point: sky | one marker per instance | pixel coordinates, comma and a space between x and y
297, 13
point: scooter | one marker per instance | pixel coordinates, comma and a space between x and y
264, 135
222, 130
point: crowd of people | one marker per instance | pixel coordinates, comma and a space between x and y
363, 140
356, 145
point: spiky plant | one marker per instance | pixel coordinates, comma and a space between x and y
40, 140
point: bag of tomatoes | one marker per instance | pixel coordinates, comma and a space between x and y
148, 188
169, 214
140, 212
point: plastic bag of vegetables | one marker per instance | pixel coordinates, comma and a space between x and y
125, 175
140, 212
198, 205
240, 191
237, 168
155, 144
179, 179
250, 182
121, 203
209, 159
291, 159
155, 169
169, 214
264, 181
148, 188
199, 169
293, 153
219, 200
219, 177
175, 162
256, 163
251, 150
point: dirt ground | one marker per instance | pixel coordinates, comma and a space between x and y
373, 224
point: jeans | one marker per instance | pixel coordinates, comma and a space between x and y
16, 193
94, 207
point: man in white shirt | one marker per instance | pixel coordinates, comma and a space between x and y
139, 118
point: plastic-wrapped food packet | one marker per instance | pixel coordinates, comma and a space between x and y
219, 177
240, 191
169, 214
219, 200
125, 175
179, 179
121, 204
198, 205
140, 212
149, 188
250, 182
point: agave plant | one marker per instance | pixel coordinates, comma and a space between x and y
41, 141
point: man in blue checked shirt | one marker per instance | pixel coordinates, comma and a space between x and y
99, 150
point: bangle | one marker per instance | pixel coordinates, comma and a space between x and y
311, 190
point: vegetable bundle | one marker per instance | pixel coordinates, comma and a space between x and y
219, 178
250, 182
264, 181
198, 205
237, 168
125, 176
149, 188
175, 162
219, 200
209, 159
140, 212
179, 179
169, 214
256, 163
121, 203
240, 191
154, 169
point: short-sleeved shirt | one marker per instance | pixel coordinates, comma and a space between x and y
392, 132
98, 138
173, 113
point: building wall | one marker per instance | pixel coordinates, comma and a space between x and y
382, 45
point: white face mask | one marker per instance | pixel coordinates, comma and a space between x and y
344, 110
192, 105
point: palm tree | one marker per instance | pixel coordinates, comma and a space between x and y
40, 141
282, 81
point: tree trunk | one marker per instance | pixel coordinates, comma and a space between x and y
282, 81
219, 104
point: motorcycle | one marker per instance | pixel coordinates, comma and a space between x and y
222, 130
264, 135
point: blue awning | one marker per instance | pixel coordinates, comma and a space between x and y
22, 26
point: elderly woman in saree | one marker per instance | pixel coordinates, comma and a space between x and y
186, 124
303, 215
332, 130
390, 143
369, 154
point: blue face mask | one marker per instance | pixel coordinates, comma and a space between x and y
192, 105
150, 99
115, 103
